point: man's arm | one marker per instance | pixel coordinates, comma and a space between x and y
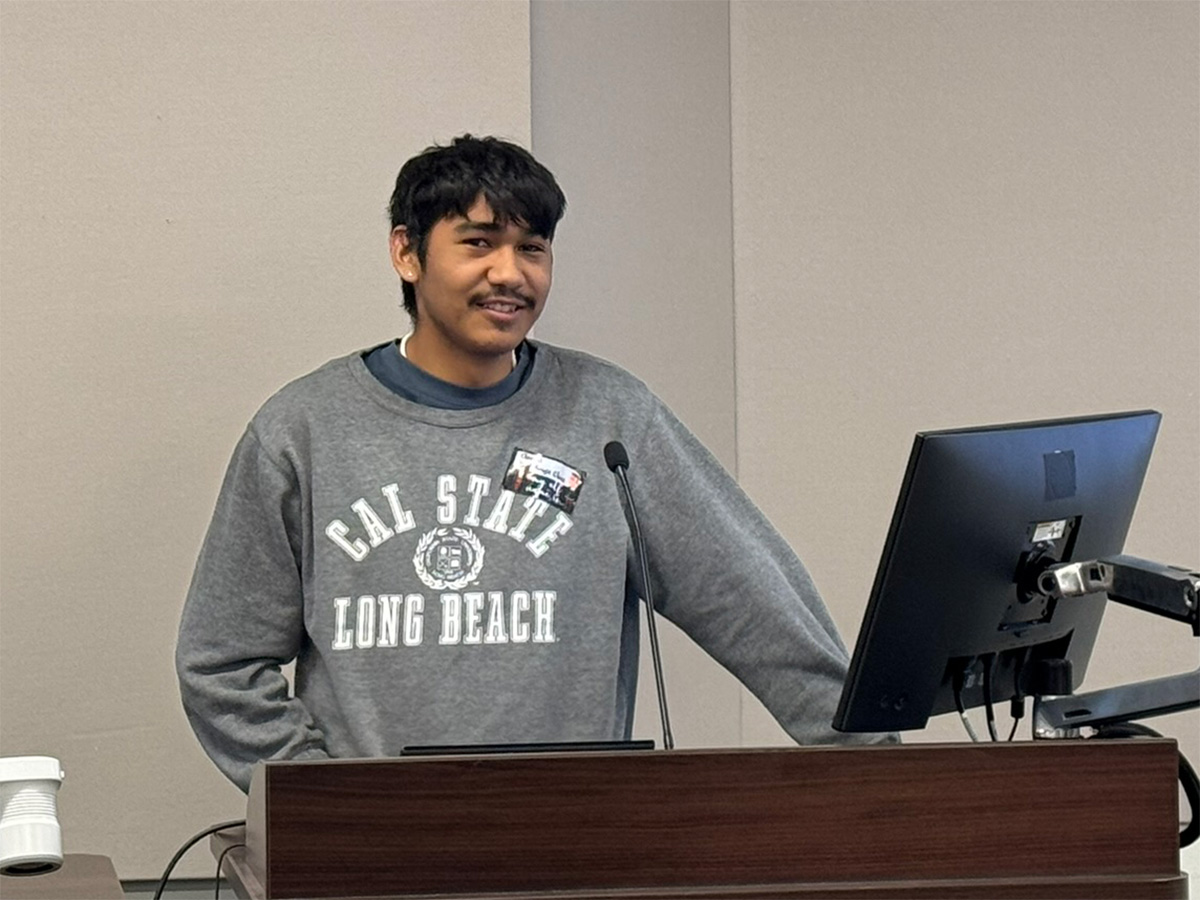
723, 573
244, 618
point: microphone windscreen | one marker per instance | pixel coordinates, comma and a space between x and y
615, 456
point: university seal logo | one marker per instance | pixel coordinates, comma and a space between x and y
448, 558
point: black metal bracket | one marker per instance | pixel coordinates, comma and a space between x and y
1168, 591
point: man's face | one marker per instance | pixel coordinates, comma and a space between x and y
479, 290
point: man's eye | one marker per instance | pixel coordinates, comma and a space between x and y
475, 241
533, 248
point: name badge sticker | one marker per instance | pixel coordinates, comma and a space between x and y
544, 478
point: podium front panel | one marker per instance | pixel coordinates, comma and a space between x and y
471, 825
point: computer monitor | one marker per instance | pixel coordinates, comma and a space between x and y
982, 512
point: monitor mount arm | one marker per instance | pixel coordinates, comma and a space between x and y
1153, 587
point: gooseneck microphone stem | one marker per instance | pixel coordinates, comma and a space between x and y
618, 461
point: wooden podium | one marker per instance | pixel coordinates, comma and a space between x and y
1061, 819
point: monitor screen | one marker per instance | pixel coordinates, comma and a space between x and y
982, 512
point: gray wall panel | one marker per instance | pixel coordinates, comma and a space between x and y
953, 214
631, 111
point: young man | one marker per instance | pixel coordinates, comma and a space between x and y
429, 530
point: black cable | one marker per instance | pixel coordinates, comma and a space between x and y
1017, 705
1018, 713
1191, 789
987, 697
221, 862
1187, 775
162, 882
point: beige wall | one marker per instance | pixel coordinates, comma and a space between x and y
194, 204
814, 228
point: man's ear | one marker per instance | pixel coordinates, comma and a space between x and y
404, 255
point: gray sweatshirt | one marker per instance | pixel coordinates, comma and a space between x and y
465, 576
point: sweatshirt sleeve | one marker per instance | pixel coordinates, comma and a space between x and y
723, 574
244, 618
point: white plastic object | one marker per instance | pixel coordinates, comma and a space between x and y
30, 836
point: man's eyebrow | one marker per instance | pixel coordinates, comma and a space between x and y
472, 225
492, 227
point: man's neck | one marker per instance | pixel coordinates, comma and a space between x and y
453, 366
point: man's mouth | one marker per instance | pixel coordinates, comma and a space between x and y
502, 304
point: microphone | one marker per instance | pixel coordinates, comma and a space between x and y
617, 460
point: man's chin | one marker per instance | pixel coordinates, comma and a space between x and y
497, 344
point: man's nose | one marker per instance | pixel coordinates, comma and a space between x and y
504, 269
